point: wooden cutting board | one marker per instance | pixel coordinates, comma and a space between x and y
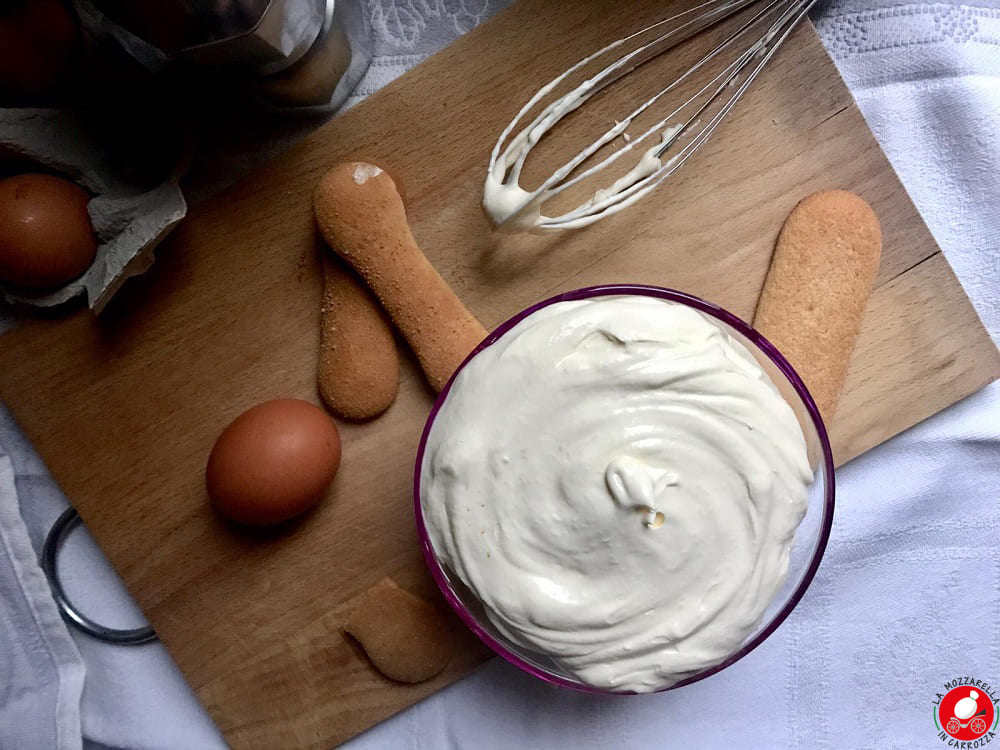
125, 409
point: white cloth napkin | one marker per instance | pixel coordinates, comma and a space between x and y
41, 672
927, 78
907, 596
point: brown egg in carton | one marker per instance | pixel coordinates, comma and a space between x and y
132, 180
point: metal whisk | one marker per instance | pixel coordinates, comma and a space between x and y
681, 132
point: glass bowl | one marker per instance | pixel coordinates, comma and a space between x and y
810, 538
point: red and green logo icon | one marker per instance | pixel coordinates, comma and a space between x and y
967, 712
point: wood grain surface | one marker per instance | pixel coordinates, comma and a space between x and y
125, 409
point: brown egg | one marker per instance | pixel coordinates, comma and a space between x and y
273, 462
45, 233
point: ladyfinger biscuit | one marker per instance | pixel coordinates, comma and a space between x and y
361, 215
814, 296
406, 638
358, 372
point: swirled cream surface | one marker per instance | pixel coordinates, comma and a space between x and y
619, 483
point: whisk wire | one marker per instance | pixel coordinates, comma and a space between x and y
674, 133
652, 170
705, 15
623, 189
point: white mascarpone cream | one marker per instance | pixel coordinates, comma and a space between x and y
619, 483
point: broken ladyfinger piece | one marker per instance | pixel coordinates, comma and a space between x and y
406, 638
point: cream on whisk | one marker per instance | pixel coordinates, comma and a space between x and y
507, 203
619, 483
717, 85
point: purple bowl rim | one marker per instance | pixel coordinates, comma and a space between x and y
438, 574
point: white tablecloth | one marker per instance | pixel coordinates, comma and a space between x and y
907, 598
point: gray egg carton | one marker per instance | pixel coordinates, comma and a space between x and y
132, 209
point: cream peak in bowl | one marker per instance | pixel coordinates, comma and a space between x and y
608, 490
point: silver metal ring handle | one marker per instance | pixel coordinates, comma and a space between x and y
68, 521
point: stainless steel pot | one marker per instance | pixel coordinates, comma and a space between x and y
294, 54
